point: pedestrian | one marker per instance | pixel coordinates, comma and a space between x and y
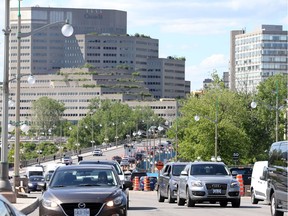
54, 157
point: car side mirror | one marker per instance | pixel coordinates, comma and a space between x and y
165, 174
127, 184
184, 173
264, 174
42, 186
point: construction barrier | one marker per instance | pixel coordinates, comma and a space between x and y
136, 183
240, 180
147, 184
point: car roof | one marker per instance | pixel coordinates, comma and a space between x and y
177, 163
206, 162
85, 166
98, 162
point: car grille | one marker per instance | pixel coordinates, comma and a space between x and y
211, 189
216, 186
69, 208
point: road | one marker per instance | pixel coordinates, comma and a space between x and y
145, 203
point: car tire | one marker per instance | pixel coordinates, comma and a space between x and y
180, 201
253, 199
223, 203
236, 203
190, 202
170, 199
273, 207
160, 197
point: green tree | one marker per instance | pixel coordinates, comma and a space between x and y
46, 113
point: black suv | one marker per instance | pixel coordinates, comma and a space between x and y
168, 181
276, 175
246, 173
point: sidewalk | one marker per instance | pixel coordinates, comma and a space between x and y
26, 205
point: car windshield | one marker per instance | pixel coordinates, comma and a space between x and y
176, 169
208, 169
84, 177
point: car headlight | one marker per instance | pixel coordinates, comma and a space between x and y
115, 202
234, 184
197, 184
30, 184
48, 203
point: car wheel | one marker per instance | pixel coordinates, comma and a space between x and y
190, 202
236, 203
223, 203
180, 201
273, 207
253, 199
170, 199
159, 196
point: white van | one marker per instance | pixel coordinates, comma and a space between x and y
259, 184
34, 170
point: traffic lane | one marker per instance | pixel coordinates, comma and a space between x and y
145, 203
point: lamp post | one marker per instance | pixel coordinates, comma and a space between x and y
254, 105
197, 118
67, 31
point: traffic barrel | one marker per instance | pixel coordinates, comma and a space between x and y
146, 184
136, 183
241, 184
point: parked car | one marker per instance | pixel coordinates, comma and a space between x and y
67, 160
152, 182
276, 175
97, 152
33, 183
84, 190
259, 183
168, 181
246, 173
208, 182
7, 208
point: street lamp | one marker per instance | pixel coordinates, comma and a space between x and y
215, 121
276, 108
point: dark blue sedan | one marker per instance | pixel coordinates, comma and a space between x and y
33, 182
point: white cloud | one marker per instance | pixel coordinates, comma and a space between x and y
197, 73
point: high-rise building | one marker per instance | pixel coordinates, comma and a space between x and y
257, 55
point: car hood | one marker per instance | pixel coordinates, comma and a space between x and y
213, 179
74, 194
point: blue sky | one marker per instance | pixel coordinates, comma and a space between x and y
198, 30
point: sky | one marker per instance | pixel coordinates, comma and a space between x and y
198, 30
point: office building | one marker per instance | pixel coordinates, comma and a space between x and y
256, 56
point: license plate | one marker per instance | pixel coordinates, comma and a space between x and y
216, 191
82, 212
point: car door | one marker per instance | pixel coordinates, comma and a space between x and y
182, 181
166, 180
161, 180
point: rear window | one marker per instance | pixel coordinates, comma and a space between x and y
242, 171
115, 165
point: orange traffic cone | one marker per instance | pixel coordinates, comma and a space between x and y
146, 184
136, 184
240, 180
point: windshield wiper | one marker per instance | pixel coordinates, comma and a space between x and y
80, 185
58, 186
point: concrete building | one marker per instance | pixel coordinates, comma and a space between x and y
257, 55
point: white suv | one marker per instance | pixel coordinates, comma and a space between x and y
97, 152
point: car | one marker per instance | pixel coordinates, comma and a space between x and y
117, 158
33, 183
7, 208
136, 173
276, 175
208, 182
87, 189
246, 173
168, 181
118, 169
152, 182
259, 183
97, 152
67, 160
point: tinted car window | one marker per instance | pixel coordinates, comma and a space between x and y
116, 166
176, 169
209, 169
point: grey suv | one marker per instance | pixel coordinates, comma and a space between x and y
168, 181
208, 182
